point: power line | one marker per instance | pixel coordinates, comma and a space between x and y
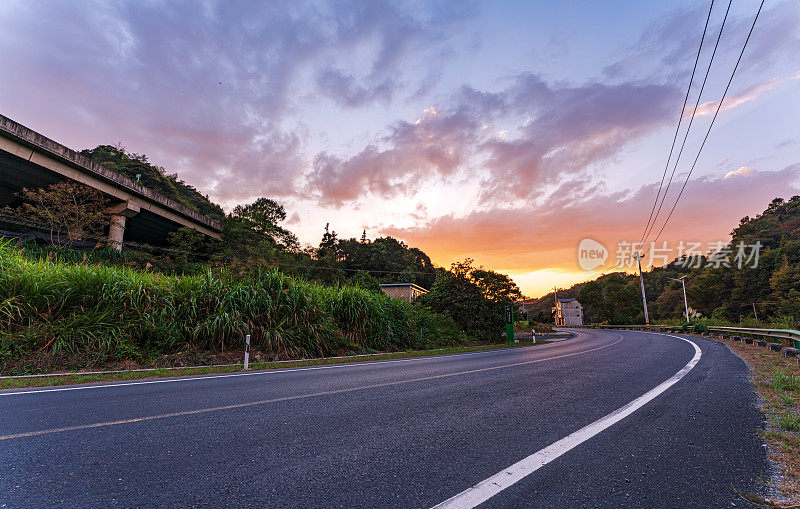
691, 121
678, 127
708, 131
590, 278
147, 247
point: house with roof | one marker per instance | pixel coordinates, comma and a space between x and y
405, 291
568, 312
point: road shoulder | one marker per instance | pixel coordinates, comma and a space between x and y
22, 382
776, 380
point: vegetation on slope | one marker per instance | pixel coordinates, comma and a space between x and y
119, 312
155, 178
724, 292
195, 277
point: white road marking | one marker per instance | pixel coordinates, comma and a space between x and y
264, 372
485, 490
297, 397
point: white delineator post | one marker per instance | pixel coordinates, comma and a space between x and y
246, 351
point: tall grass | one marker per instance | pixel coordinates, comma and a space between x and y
64, 307
785, 380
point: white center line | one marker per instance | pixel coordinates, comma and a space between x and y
485, 490
274, 371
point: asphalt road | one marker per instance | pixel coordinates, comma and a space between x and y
405, 433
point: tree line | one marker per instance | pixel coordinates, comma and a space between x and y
254, 238
718, 285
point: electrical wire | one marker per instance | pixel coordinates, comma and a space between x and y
678, 127
708, 131
147, 247
691, 121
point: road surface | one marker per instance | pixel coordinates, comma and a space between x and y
404, 433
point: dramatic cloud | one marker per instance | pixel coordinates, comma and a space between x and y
566, 131
208, 86
435, 144
570, 129
540, 237
514, 126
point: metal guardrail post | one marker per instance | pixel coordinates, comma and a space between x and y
789, 336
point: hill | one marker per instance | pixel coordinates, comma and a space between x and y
155, 178
759, 267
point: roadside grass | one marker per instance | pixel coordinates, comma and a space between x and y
777, 381
785, 380
788, 421
53, 307
72, 379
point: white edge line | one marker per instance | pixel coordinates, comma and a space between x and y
490, 487
274, 371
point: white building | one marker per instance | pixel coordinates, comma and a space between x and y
568, 312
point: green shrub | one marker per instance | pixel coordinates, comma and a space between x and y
117, 311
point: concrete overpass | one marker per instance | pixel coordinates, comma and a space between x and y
28, 159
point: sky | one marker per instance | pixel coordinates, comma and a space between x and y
506, 132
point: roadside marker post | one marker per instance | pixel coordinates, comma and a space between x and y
509, 325
246, 351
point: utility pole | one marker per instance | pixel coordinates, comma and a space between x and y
754, 311
641, 282
685, 304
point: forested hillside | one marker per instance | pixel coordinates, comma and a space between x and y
155, 178
723, 284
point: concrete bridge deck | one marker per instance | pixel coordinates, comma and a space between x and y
29, 159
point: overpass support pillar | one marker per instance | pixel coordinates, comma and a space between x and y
119, 216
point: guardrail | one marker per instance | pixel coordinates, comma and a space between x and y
787, 336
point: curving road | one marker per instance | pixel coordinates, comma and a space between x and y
405, 433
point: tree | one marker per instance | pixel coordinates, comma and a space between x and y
328, 244
327, 255
475, 298
252, 236
65, 207
495, 286
185, 241
262, 217
612, 299
460, 298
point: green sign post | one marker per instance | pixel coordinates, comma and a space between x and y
510, 325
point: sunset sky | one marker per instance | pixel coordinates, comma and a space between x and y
502, 131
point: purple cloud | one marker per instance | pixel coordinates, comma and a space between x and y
207, 86
570, 128
435, 144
